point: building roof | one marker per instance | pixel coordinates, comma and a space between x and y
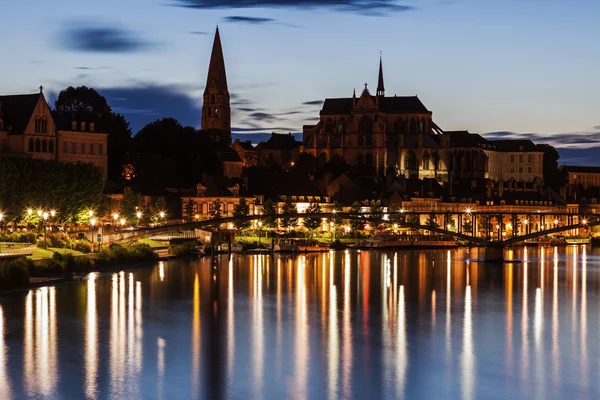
216, 69
390, 105
465, 139
279, 142
380, 86
513, 145
247, 145
226, 153
17, 110
582, 169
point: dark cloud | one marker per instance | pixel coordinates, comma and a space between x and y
102, 39
249, 20
200, 33
263, 116
376, 7
246, 109
313, 103
257, 137
290, 113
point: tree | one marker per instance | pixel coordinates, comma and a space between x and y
216, 211
189, 210
160, 210
130, 204
432, 220
242, 209
413, 219
356, 223
290, 214
86, 104
451, 224
313, 223
376, 215
553, 176
270, 210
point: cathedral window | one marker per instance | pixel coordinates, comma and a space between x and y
212, 98
51, 146
341, 127
422, 126
38, 145
44, 146
361, 141
30, 144
398, 126
365, 125
413, 126
369, 140
410, 161
208, 109
369, 160
426, 161
216, 112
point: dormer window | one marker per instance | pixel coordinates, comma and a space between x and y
74, 125
235, 190
83, 126
92, 127
200, 189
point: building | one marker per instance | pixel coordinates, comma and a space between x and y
280, 149
232, 163
247, 153
396, 135
216, 110
28, 129
584, 176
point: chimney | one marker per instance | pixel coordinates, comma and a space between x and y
92, 127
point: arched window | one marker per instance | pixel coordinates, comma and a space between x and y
216, 111
359, 159
38, 145
413, 125
369, 140
361, 140
329, 126
426, 160
51, 147
212, 98
399, 126
422, 126
44, 125
44, 146
30, 144
341, 127
365, 125
208, 109
410, 161
369, 160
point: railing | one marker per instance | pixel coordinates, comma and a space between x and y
15, 249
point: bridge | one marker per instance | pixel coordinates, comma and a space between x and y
497, 229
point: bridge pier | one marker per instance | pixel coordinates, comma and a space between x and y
494, 253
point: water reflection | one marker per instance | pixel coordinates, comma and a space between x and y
333, 325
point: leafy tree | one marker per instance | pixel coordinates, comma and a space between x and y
467, 226
451, 224
189, 210
376, 215
313, 223
270, 210
432, 220
86, 104
356, 223
553, 176
395, 216
216, 211
160, 206
242, 209
290, 214
130, 205
413, 219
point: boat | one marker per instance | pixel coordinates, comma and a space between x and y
409, 241
577, 240
235, 248
298, 246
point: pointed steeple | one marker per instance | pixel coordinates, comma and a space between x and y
380, 87
216, 68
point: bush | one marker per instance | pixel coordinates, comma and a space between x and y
15, 237
61, 264
129, 253
14, 273
83, 246
182, 249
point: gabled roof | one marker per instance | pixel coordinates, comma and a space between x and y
391, 105
17, 110
465, 139
226, 153
216, 69
279, 142
510, 145
247, 145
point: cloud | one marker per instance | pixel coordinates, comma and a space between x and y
102, 39
313, 103
200, 33
249, 20
367, 7
246, 109
572, 140
263, 116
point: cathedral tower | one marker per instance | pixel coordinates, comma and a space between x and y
216, 112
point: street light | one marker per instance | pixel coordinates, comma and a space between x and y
29, 211
584, 221
115, 216
92, 223
91, 213
122, 222
39, 213
45, 215
52, 213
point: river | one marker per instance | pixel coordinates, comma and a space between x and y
344, 325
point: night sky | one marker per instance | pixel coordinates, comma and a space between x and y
514, 68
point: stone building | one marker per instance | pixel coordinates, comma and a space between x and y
582, 175
247, 153
396, 135
28, 129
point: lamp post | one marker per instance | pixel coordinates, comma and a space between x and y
92, 224
45, 215
139, 216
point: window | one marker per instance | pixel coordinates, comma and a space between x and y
65, 147
520, 158
520, 170
38, 145
512, 170
212, 98
44, 146
209, 111
399, 126
91, 148
216, 112
51, 146
30, 144
361, 141
512, 158
530, 158
82, 147
73, 148
100, 149
529, 169
365, 125
369, 140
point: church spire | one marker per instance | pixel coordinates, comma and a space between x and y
380, 87
216, 69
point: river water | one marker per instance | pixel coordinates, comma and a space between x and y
344, 325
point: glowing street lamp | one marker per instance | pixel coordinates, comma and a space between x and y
39, 213
29, 211
584, 221
468, 210
122, 221
45, 215
555, 222
91, 213
162, 214
139, 214
115, 216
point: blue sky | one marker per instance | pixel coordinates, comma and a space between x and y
515, 67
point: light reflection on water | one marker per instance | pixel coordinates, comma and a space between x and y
332, 325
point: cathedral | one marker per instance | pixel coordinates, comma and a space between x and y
216, 111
